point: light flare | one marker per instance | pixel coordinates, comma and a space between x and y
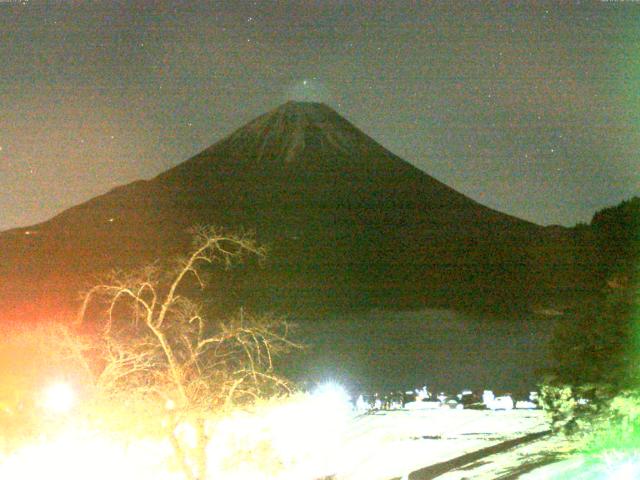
79, 455
59, 398
295, 438
300, 438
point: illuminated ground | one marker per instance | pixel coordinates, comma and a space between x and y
426, 444
314, 437
479, 445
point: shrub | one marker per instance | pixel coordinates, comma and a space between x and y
594, 417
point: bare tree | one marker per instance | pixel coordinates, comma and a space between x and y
160, 347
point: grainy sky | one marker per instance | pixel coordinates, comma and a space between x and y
532, 109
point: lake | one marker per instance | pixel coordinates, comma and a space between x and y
444, 349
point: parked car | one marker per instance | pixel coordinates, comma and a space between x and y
504, 402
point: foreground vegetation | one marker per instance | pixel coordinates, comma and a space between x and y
144, 360
593, 394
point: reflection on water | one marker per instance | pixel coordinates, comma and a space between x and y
444, 349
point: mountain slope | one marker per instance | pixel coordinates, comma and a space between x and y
348, 223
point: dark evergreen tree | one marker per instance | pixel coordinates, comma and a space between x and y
600, 340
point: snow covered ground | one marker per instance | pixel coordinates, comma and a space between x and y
315, 436
388, 445
509, 463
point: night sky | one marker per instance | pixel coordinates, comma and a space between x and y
533, 110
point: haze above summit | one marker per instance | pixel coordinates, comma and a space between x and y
530, 110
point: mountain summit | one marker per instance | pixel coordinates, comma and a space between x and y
307, 151
283, 134
348, 224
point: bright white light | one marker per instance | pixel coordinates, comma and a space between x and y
331, 393
299, 438
59, 398
80, 455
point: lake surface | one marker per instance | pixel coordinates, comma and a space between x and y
444, 349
